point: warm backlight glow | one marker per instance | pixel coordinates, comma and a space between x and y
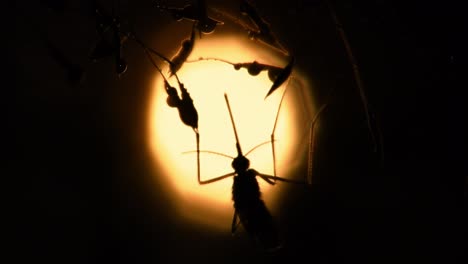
207, 81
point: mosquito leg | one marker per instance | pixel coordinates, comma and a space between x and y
272, 137
197, 135
357, 77
198, 151
216, 179
198, 165
267, 177
235, 222
310, 157
256, 147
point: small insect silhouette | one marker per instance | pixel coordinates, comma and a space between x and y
196, 12
276, 74
184, 52
249, 208
187, 112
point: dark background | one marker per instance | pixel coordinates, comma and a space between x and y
81, 179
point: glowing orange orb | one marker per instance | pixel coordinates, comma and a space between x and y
207, 81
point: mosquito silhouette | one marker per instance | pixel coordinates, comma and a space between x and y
188, 113
276, 74
249, 208
184, 103
196, 12
183, 53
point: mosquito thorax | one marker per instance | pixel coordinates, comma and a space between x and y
240, 163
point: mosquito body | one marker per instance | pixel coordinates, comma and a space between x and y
184, 104
249, 208
184, 52
195, 12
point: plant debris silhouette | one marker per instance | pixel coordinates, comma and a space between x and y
276, 74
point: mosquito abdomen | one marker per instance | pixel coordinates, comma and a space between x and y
252, 211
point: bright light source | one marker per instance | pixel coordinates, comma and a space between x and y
207, 81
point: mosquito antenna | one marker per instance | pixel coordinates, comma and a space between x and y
239, 151
257, 146
212, 152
